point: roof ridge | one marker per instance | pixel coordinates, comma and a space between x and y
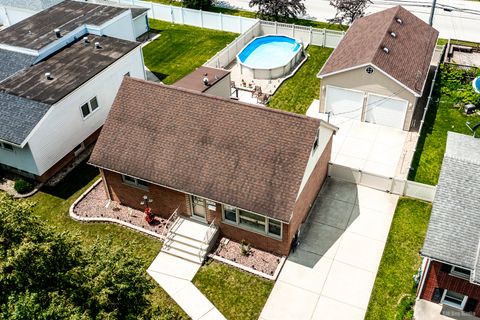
213, 97
464, 159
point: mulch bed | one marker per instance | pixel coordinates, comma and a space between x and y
256, 259
93, 205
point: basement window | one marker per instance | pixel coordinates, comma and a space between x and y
6, 146
134, 182
89, 107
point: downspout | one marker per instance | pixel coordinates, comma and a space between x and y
424, 276
107, 189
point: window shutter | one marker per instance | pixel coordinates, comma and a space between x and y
445, 267
470, 305
437, 295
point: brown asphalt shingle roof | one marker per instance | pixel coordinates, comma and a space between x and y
410, 52
250, 157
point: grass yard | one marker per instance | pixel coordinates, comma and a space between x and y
453, 90
181, 49
297, 93
394, 290
236, 294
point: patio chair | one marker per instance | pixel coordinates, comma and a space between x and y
233, 85
263, 98
257, 91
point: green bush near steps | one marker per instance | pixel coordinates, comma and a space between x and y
22, 186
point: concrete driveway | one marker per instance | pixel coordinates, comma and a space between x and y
331, 274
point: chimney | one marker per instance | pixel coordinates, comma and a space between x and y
48, 76
97, 45
57, 32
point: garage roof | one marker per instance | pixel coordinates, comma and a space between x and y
394, 40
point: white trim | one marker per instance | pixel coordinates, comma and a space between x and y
386, 98
89, 104
452, 304
398, 82
458, 274
205, 206
29, 52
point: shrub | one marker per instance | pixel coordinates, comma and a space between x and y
197, 4
22, 186
245, 248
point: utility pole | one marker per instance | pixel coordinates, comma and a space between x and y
432, 12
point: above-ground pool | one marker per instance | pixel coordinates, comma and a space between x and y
476, 84
269, 57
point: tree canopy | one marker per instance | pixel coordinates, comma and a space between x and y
278, 9
198, 4
47, 274
348, 10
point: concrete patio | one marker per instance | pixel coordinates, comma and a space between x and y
426, 310
376, 149
328, 276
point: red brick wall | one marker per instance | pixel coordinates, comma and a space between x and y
165, 201
310, 191
436, 278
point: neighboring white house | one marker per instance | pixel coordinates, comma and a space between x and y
133, 24
59, 73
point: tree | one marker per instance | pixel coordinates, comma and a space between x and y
198, 4
348, 10
278, 9
47, 274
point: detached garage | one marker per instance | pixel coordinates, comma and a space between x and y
378, 71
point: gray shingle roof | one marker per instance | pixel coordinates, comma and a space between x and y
33, 5
18, 117
11, 62
453, 233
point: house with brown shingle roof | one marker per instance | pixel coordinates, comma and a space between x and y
379, 70
252, 170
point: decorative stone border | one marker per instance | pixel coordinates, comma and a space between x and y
104, 219
250, 270
17, 195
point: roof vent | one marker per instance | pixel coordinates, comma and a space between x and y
48, 76
97, 45
399, 21
393, 34
85, 40
386, 50
205, 79
57, 32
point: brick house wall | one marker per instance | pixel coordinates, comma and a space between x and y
437, 278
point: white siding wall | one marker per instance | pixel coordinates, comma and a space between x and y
120, 27
221, 88
324, 135
20, 158
63, 127
140, 25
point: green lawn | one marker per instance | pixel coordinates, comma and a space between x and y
453, 90
181, 49
236, 294
297, 93
394, 288
251, 14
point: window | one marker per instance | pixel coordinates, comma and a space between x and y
315, 143
230, 213
88, 107
460, 272
251, 221
135, 182
454, 299
6, 146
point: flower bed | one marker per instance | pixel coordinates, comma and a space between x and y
251, 258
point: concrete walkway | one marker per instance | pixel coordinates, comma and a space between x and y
331, 274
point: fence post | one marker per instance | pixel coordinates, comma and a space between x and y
171, 14
183, 19
201, 18
221, 21
293, 30
276, 28
153, 10
241, 24
324, 37
311, 35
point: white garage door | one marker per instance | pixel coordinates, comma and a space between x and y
344, 103
386, 111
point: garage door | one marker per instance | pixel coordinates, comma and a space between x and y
344, 103
386, 111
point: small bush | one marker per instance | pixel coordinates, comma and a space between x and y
198, 4
22, 186
245, 248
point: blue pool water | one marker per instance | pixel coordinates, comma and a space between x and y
476, 84
269, 52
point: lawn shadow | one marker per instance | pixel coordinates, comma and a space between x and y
160, 76
74, 181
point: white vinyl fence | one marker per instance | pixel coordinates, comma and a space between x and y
398, 186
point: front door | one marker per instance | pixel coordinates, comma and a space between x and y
199, 208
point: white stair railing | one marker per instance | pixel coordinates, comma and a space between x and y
169, 224
212, 228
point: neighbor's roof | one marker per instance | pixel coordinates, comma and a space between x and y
410, 52
36, 31
453, 234
18, 117
247, 156
12, 62
33, 5
70, 68
194, 80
